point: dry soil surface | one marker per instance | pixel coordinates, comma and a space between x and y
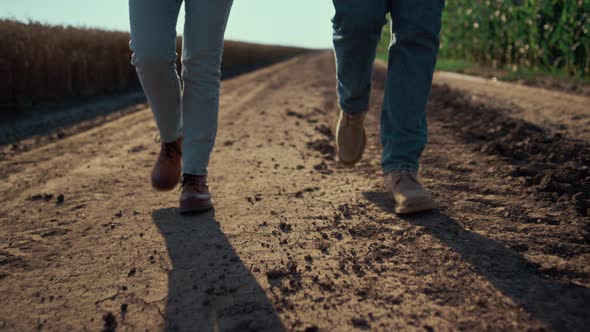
298, 242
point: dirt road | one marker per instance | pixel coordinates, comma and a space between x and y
297, 242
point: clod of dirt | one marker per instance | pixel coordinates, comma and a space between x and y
295, 114
132, 272
300, 193
325, 130
285, 227
292, 266
276, 273
110, 322
41, 197
60, 199
360, 323
323, 146
123, 310
324, 246
323, 168
428, 328
358, 270
54, 231
345, 211
137, 148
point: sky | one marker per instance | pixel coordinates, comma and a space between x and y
294, 23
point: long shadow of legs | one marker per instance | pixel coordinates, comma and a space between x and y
209, 288
563, 307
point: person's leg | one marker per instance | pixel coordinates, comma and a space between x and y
153, 42
416, 26
357, 29
201, 73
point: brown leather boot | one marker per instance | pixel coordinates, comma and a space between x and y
350, 137
195, 195
166, 171
407, 192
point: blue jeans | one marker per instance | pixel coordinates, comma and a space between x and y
193, 109
416, 27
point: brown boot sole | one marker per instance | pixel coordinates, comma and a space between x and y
415, 207
164, 185
195, 208
360, 156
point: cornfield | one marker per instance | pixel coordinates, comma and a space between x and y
549, 35
538, 35
41, 63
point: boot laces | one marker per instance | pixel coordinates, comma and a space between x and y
189, 180
411, 174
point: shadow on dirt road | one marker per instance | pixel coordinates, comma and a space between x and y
209, 288
562, 307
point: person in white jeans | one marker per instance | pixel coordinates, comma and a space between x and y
186, 115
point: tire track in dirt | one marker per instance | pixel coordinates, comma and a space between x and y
296, 242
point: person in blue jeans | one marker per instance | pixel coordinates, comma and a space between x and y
186, 115
416, 26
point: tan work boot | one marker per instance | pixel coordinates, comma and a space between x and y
195, 195
350, 137
166, 171
407, 192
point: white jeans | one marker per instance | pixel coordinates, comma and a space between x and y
192, 110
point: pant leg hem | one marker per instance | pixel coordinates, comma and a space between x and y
195, 171
399, 167
198, 170
353, 111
